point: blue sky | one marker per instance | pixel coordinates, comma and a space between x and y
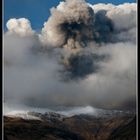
38, 11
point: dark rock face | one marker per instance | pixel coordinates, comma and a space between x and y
53, 126
124, 132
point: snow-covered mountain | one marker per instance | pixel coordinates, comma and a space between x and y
59, 114
82, 123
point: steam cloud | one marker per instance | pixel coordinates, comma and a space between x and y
85, 55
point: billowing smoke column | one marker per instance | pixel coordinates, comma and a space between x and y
71, 23
72, 26
85, 55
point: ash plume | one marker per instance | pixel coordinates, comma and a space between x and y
85, 55
72, 26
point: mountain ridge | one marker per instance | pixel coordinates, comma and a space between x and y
55, 126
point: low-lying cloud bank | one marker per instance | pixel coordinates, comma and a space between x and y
85, 55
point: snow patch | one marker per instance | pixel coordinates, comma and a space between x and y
22, 114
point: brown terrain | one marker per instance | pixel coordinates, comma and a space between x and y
78, 127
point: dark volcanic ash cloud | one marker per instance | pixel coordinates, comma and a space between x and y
72, 26
85, 55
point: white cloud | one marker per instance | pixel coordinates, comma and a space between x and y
21, 27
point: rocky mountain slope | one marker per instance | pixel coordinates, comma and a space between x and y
54, 126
